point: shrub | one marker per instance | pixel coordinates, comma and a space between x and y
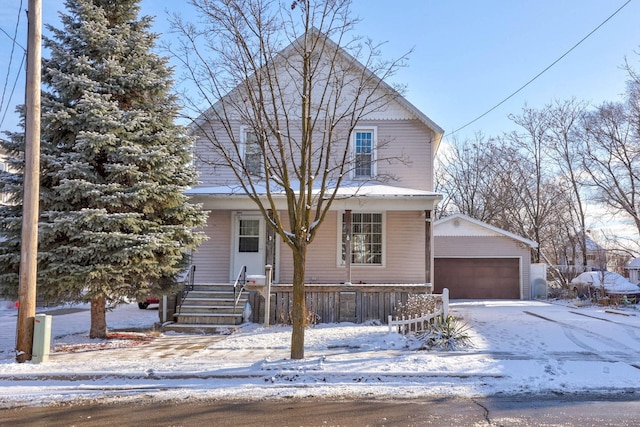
448, 333
419, 304
286, 318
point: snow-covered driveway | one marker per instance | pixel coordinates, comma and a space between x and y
548, 347
519, 347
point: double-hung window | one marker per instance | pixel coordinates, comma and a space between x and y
364, 152
249, 235
366, 238
252, 153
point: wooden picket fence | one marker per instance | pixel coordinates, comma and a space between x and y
404, 325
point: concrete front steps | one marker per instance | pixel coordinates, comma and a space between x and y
209, 309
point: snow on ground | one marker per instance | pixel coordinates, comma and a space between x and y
518, 347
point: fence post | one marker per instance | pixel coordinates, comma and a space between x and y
267, 297
390, 323
445, 302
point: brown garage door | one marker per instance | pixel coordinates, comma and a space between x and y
478, 278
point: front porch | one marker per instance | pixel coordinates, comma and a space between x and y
327, 303
209, 308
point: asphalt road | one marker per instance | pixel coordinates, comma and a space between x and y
498, 411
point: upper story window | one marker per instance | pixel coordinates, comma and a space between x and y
364, 150
252, 153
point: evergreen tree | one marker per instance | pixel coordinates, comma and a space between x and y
114, 220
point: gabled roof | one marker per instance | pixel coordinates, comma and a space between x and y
591, 245
402, 101
462, 225
634, 264
384, 85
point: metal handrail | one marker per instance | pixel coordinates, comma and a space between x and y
240, 279
187, 285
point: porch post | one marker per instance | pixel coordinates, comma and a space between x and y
428, 249
270, 253
347, 250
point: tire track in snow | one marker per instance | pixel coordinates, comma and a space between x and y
632, 331
623, 353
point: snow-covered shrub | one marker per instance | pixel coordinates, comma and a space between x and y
448, 333
285, 317
419, 304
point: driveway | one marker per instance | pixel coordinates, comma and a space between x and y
556, 347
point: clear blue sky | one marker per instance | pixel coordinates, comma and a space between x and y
468, 55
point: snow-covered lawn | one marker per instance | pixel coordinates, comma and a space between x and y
518, 347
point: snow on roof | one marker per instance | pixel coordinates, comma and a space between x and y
439, 227
634, 264
591, 245
345, 190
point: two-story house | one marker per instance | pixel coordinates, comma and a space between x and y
375, 244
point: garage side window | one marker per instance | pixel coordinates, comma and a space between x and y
366, 239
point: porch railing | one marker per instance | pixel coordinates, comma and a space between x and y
187, 285
238, 285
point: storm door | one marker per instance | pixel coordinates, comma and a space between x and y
249, 244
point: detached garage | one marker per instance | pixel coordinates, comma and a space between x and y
475, 260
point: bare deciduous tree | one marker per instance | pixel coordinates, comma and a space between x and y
566, 146
529, 162
465, 173
299, 85
612, 157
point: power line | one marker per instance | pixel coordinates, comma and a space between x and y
540, 73
13, 39
6, 80
15, 83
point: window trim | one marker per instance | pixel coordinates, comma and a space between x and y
383, 219
374, 151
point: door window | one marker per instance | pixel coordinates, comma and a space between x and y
249, 235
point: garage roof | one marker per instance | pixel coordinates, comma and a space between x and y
463, 225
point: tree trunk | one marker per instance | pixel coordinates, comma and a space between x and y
299, 308
98, 318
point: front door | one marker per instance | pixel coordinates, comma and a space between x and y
249, 244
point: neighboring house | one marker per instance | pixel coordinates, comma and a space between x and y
634, 270
390, 220
572, 261
475, 260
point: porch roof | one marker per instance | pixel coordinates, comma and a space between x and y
349, 196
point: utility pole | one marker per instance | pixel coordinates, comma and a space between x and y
30, 208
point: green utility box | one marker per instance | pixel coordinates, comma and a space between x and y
41, 338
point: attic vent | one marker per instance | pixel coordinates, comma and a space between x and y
456, 223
